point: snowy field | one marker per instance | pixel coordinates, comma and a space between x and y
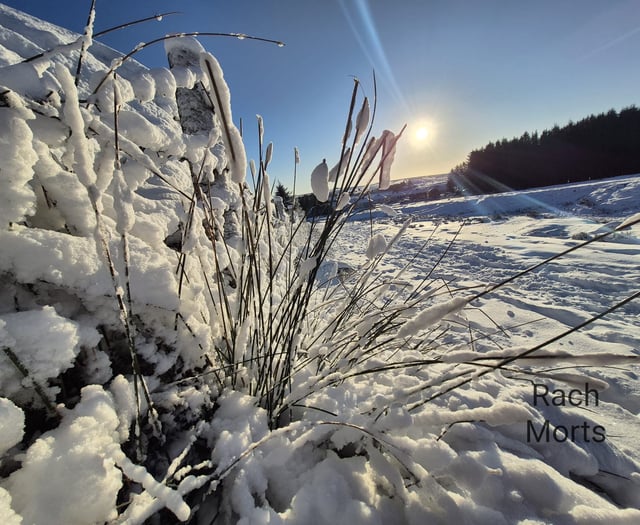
168, 356
485, 240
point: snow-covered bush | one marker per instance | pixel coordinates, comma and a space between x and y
107, 333
140, 279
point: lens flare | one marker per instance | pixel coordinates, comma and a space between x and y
364, 29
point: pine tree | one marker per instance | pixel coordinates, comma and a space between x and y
284, 194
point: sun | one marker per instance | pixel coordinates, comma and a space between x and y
422, 133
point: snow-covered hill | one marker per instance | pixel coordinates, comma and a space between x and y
166, 354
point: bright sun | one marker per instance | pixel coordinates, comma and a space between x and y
422, 134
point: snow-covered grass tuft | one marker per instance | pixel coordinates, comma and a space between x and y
283, 310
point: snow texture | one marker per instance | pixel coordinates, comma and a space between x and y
377, 246
11, 424
338, 171
320, 181
16, 166
362, 120
431, 315
343, 201
388, 155
45, 343
78, 455
231, 138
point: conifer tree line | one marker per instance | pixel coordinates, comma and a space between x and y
596, 147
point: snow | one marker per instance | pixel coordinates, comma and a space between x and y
17, 160
81, 163
377, 246
11, 424
78, 457
45, 343
338, 171
8, 514
388, 155
431, 315
320, 181
410, 390
231, 138
141, 131
631, 220
343, 201
362, 120
388, 210
144, 87
164, 81
615, 196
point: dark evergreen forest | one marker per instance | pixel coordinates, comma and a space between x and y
596, 147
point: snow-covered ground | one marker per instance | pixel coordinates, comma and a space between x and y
399, 415
485, 240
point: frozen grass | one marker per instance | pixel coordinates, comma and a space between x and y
270, 328
220, 328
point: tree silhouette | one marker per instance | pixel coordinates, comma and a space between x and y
598, 146
283, 192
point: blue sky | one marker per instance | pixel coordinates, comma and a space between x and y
468, 71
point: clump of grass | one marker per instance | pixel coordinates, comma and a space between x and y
268, 323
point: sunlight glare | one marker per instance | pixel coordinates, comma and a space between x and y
422, 133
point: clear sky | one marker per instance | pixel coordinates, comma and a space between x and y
458, 73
